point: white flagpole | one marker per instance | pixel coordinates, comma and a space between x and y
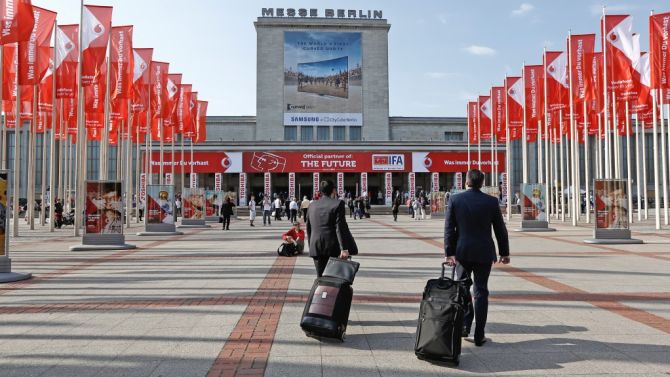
618, 150
43, 165
667, 113
52, 159
555, 174
540, 178
629, 174
468, 144
606, 98
17, 164
508, 156
138, 171
664, 164
32, 184
576, 193
493, 170
524, 143
657, 210
637, 169
161, 130
129, 168
172, 155
599, 151
561, 160
81, 135
587, 175
643, 157
548, 188
479, 138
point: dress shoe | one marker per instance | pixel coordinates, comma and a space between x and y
465, 333
480, 342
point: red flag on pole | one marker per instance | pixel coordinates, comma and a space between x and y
9, 68
173, 85
121, 62
514, 103
202, 122
556, 69
498, 103
473, 126
16, 21
184, 108
484, 103
31, 69
621, 54
190, 130
659, 54
581, 52
159, 75
141, 80
534, 98
66, 59
45, 94
94, 98
95, 26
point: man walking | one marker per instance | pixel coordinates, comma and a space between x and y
468, 242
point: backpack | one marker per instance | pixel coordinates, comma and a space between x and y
286, 250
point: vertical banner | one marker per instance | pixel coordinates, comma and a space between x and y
212, 203
364, 184
315, 185
340, 185
291, 185
437, 204
160, 204
169, 179
243, 189
611, 204
3, 213
194, 180
411, 178
388, 184
533, 202
104, 207
193, 204
435, 182
217, 181
458, 181
267, 185
143, 187
503, 178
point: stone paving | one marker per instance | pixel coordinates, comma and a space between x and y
215, 303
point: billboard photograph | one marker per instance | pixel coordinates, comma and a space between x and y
160, 204
611, 199
104, 207
533, 202
193, 203
323, 78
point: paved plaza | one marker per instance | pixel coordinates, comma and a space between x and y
214, 303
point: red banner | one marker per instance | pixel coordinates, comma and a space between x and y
67, 56
203, 162
473, 125
659, 29
345, 162
452, 162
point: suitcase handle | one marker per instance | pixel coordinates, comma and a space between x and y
453, 271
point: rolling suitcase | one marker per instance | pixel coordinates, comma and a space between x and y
326, 312
438, 333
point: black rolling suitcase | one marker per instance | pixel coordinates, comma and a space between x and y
326, 312
438, 333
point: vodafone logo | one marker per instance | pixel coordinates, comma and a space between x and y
225, 162
484, 108
69, 46
613, 37
143, 66
427, 162
551, 69
511, 92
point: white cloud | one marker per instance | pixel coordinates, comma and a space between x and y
480, 50
523, 9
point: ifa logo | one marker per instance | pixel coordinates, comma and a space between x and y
386, 162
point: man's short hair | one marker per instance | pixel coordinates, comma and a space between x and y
474, 179
296, 223
327, 187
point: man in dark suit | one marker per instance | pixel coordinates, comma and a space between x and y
468, 242
327, 229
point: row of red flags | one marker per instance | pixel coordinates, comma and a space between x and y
541, 95
144, 97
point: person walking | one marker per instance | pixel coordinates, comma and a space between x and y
277, 208
304, 205
350, 204
293, 207
468, 243
252, 210
177, 205
267, 211
395, 208
327, 229
226, 212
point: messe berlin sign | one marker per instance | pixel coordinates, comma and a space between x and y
327, 13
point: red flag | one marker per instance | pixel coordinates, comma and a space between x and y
173, 85
484, 116
190, 131
473, 126
9, 68
498, 103
643, 72
95, 26
621, 55
45, 94
31, 66
558, 81
534, 99
16, 21
659, 54
184, 108
94, 97
158, 94
141, 79
66, 59
202, 122
597, 69
581, 50
121, 62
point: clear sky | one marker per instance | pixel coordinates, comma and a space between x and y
441, 52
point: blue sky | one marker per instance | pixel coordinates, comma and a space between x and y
441, 52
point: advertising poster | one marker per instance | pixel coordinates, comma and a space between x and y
435, 182
213, 200
458, 181
323, 78
218, 178
411, 181
315, 185
341, 162
291, 185
193, 203
340, 185
3, 213
160, 204
364, 184
267, 185
388, 185
437, 203
611, 204
454, 161
243, 189
533, 202
104, 207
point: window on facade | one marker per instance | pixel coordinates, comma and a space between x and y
323, 133
339, 133
453, 136
306, 134
290, 133
355, 133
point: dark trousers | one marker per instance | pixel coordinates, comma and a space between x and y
277, 213
480, 311
294, 214
320, 264
395, 216
304, 214
226, 221
266, 215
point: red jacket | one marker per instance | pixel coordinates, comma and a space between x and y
296, 235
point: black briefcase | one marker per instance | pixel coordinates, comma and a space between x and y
344, 269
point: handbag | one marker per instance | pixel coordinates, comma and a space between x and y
344, 269
273, 213
286, 250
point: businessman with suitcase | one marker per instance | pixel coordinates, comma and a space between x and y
468, 243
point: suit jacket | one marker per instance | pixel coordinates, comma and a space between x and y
327, 229
467, 227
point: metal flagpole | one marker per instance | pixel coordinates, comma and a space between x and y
637, 169
493, 170
606, 98
469, 138
32, 152
52, 165
508, 156
43, 166
17, 165
160, 131
138, 171
104, 140
667, 112
657, 209
587, 175
524, 143
479, 139
599, 152
129, 169
81, 135
629, 174
540, 178
555, 173
561, 160
576, 192
548, 188
3, 119
643, 136
568, 172
664, 164
172, 155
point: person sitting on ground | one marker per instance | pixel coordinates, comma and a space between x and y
295, 236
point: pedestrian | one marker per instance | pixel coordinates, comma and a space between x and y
395, 208
277, 208
350, 204
287, 207
293, 207
468, 243
267, 210
327, 229
226, 212
252, 210
58, 214
416, 207
177, 205
296, 237
304, 205
140, 208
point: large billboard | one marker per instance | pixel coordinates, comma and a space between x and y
611, 204
104, 207
160, 204
323, 78
533, 202
309, 162
193, 203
